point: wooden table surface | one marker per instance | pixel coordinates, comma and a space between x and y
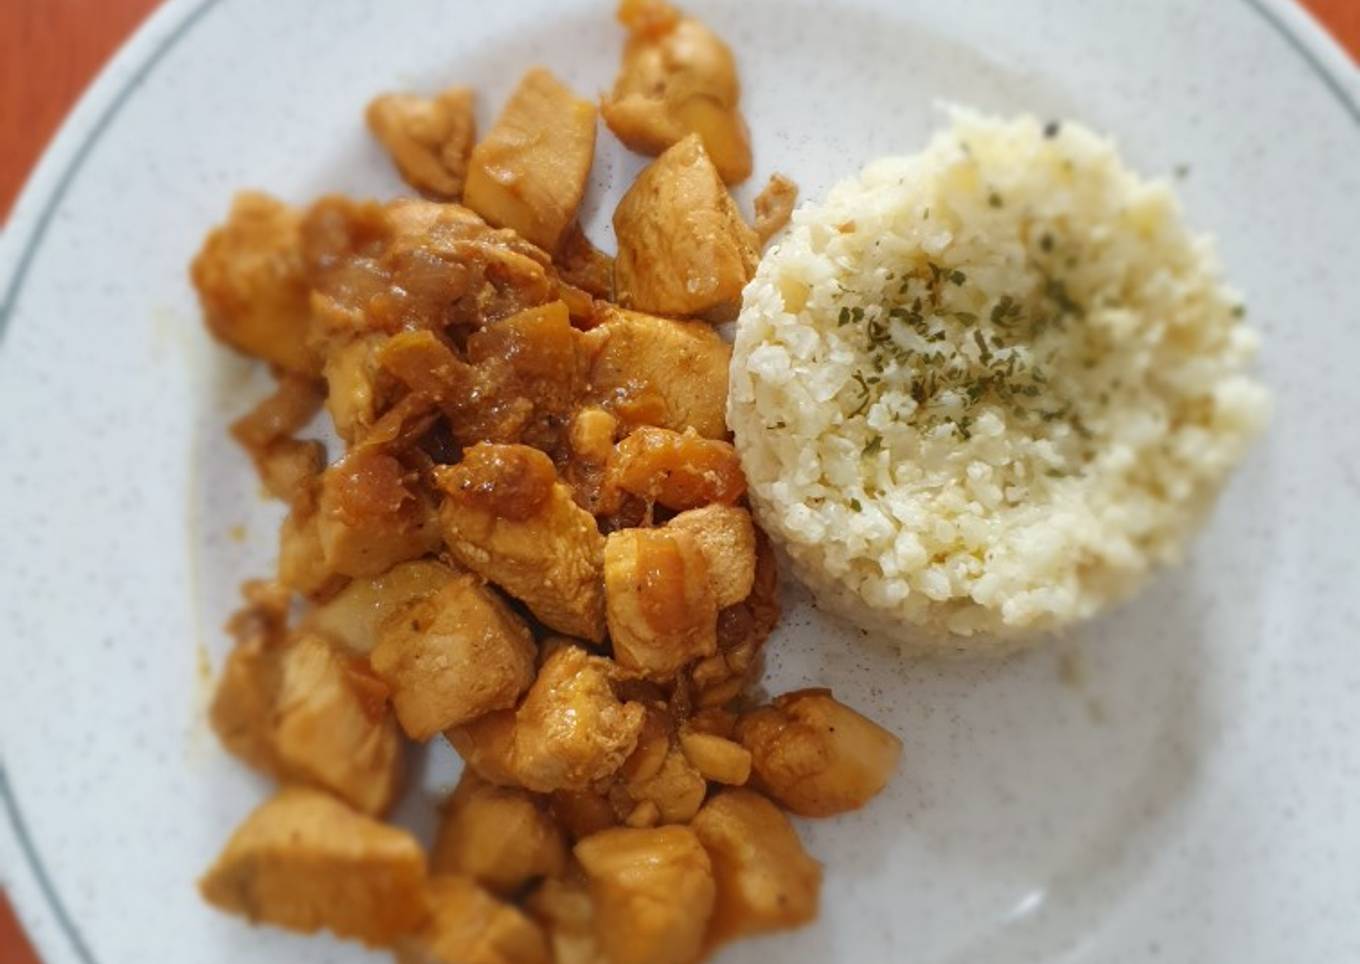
49, 51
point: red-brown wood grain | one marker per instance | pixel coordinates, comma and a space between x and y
50, 50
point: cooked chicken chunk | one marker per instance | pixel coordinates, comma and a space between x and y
683, 246
742, 631
659, 371
564, 910
469, 926
355, 616
332, 727
371, 515
411, 265
726, 536
303, 860
659, 600
529, 173
765, 879
242, 706
717, 758
286, 466
677, 78
487, 745
507, 518
572, 730
676, 790
774, 207
501, 837
453, 656
590, 443
302, 563
429, 138
675, 470
252, 286
354, 397
653, 892
815, 756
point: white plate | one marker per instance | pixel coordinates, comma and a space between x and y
1174, 782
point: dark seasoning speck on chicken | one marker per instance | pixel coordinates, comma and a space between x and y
535, 543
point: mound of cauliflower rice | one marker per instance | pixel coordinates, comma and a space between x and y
981, 392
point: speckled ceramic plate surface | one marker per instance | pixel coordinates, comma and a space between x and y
1176, 781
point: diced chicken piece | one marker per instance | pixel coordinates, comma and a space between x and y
409, 265
469, 926
677, 789
653, 893
726, 536
660, 371
653, 746
251, 284
564, 910
302, 563
303, 860
286, 466
677, 78
332, 727
243, 703
765, 879
371, 515
501, 837
717, 758
679, 471
774, 207
429, 138
683, 246
742, 631
353, 397
659, 601
355, 616
487, 746
453, 656
582, 812
507, 518
572, 730
529, 173
583, 265
590, 443
815, 756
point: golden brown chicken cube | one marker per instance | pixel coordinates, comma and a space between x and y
529, 173
501, 837
302, 563
355, 616
677, 789
659, 600
677, 78
251, 283
653, 892
332, 727
679, 471
726, 536
353, 397
765, 879
429, 138
453, 656
303, 860
564, 910
683, 246
774, 206
716, 758
487, 746
371, 515
571, 729
815, 756
469, 926
242, 709
507, 518
660, 371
